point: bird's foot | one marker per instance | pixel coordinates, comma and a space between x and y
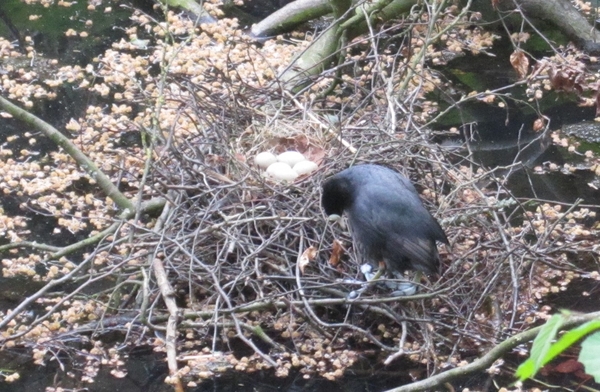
404, 289
400, 286
367, 271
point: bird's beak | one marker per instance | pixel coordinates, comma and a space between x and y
333, 218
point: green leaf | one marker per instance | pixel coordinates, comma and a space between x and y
589, 357
540, 347
568, 339
537, 360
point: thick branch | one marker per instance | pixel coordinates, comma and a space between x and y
82, 160
563, 15
289, 16
349, 24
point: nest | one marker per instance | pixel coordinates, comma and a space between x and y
256, 262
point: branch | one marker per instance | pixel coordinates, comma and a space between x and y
168, 295
289, 16
488, 359
62, 141
562, 14
58, 252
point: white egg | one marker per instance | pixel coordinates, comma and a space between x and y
281, 171
305, 167
264, 159
290, 157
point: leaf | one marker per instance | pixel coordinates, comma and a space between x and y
307, 256
560, 80
520, 63
540, 347
538, 125
589, 357
568, 366
337, 252
531, 366
569, 338
568, 80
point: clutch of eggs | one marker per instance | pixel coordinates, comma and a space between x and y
286, 166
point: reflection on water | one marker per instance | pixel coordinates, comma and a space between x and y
515, 152
581, 295
145, 372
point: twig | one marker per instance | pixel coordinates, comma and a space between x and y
82, 160
488, 359
168, 296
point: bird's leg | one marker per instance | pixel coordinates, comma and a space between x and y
409, 287
354, 294
401, 289
418, 276
380, 272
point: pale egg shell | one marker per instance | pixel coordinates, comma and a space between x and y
305, 167
281, 171
265, 159
290, 157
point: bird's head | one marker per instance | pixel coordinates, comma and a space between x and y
337, 195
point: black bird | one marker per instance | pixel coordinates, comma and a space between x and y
389, 224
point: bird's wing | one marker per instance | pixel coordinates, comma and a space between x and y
395, 217
422, 253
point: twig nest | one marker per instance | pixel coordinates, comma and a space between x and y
290, 157
305, 167
281, 171
265, 159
